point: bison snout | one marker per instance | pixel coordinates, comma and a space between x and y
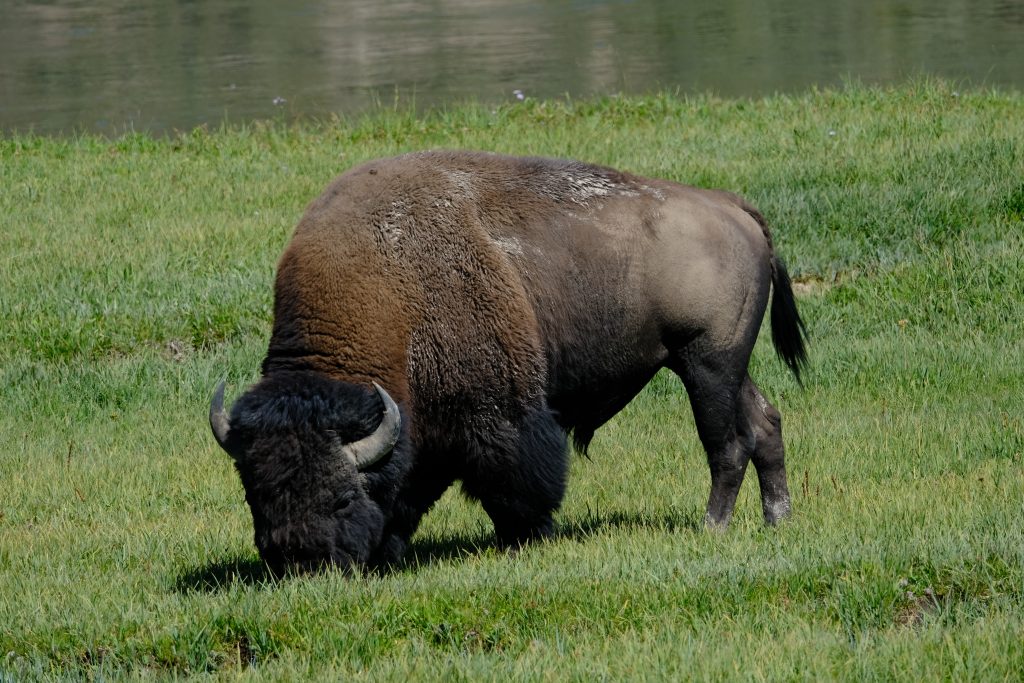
298, 559
301, 564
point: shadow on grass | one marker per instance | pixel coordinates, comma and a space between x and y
591, 523
217, 576
425, 552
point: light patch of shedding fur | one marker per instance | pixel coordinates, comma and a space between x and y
654, 192
390, 227
580, 185
762, 403
509, 245
462, 181
586, 185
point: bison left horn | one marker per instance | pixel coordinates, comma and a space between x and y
219, 422
372, 448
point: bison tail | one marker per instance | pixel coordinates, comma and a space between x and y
788, 330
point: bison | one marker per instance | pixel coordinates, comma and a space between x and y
443, 316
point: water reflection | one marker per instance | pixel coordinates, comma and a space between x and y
108, 65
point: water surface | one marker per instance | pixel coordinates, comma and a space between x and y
115, 65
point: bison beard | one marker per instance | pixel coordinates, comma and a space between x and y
502, 303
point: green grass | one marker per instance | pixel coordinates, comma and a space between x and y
134, 273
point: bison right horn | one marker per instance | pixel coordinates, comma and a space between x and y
372, 448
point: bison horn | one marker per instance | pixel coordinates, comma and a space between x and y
219, 422
372, 448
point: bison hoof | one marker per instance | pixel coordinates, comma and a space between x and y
712, 523
776, 511
514, 539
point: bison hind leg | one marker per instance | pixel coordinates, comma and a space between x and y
768, 457
520, 477
713, 382
736, 425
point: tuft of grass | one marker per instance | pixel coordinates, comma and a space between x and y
137, 272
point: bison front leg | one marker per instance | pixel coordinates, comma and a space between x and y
423, 487
520, 477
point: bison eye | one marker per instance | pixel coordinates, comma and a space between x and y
343, 501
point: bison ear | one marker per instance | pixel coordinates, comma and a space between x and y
372, 448
219, 422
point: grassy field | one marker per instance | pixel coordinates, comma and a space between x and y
135, 273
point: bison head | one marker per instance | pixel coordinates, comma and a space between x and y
319, 460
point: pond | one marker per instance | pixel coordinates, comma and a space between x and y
114, 65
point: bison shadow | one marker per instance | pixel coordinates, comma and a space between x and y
427, 551
216, 576
593, 522
424, 552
